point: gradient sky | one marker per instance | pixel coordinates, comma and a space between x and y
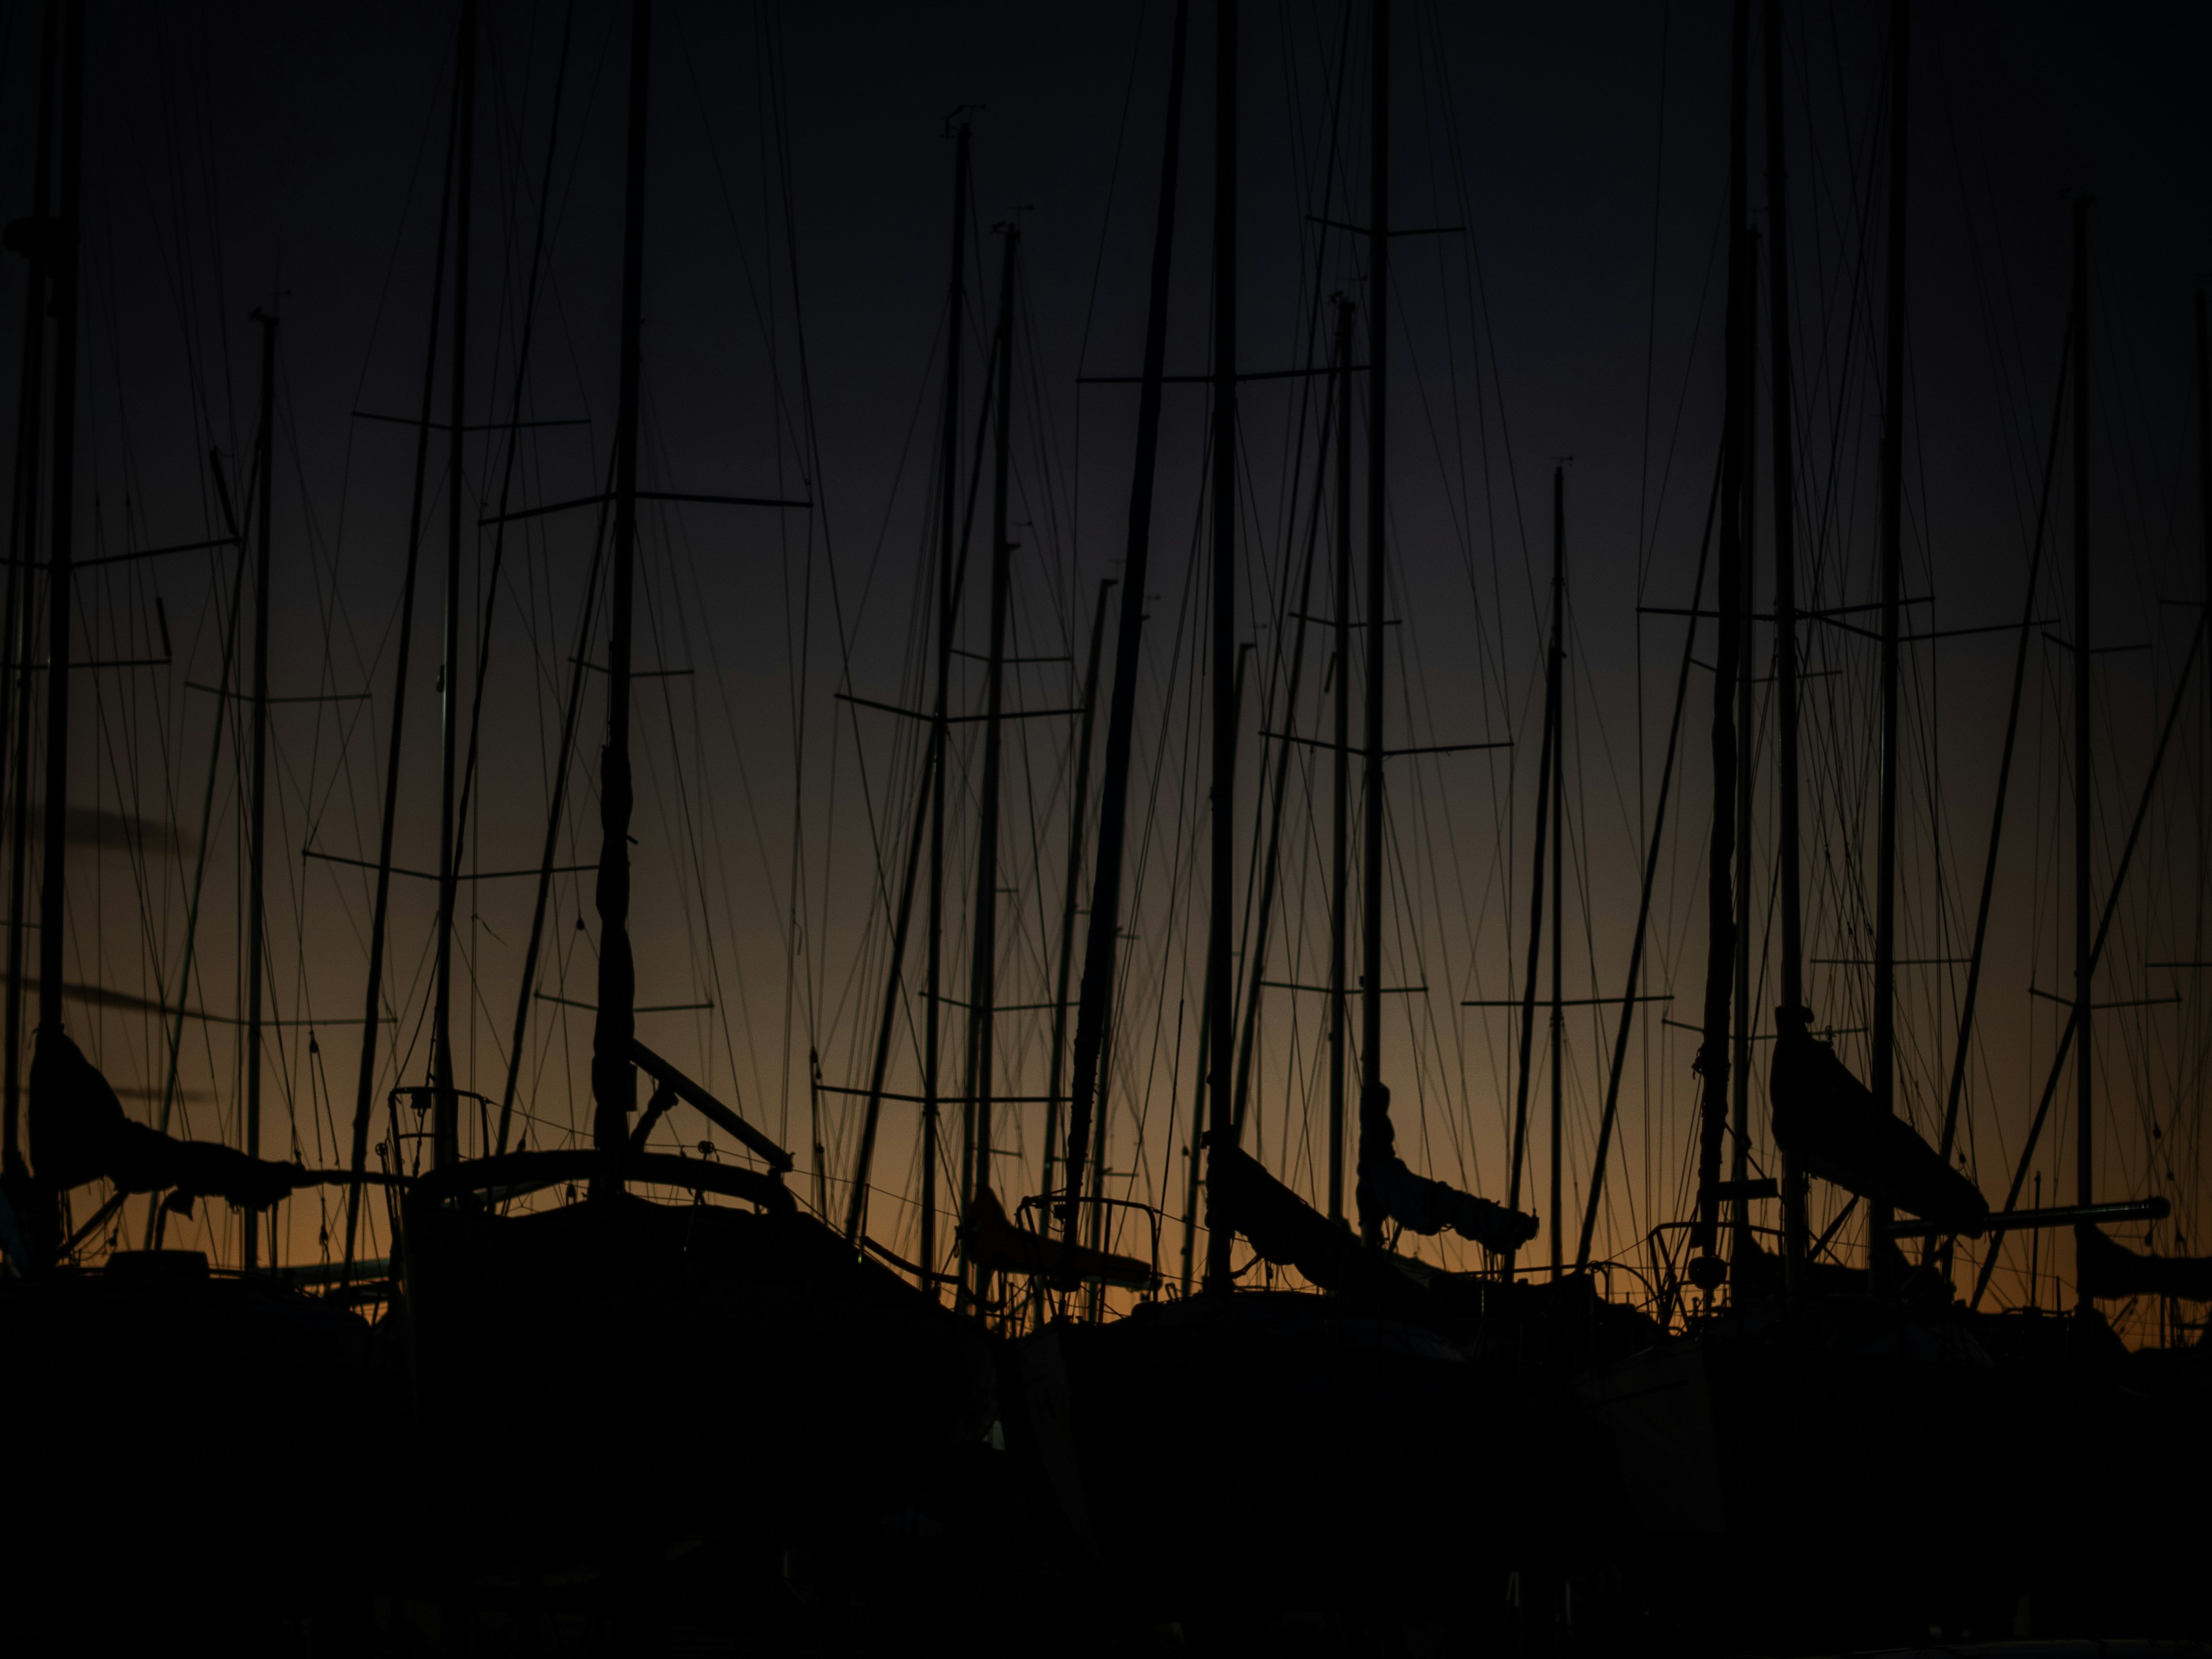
796, 257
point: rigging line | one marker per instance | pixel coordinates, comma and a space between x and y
1258, 916
1310, 331
207, 809
364, 1101
1644, 534
798, 655
2009, 398
2004, 765
530, 292
2096, 949
22, 534
550, 847
1489, 334
764, 306
1256, 922
1183, 849
1098, 972
200, 866
926, 785
781, 114
928, 788
1113, 178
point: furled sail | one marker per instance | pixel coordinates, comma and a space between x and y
1828, 1120
1285, 1229
2109, 1268
996, 1242
1423, 1206
80, 1133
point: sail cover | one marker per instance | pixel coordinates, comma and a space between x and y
996, 1242
80, 1133
1828, 1120
2110, 1269
1285, 1229
1387, 1188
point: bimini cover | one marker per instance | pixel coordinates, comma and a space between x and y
994, 1242
1828, 1121
1388, 1189
2110, 1269
80, 1133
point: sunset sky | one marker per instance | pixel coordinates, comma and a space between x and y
1573, 161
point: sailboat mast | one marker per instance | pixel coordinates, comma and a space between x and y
1259, 911
257, 853
2085, 963
445, 1113
379, 910
1745, 1014
2204, 502
1786, 601
1378, 311
53, 892
1202, 1090
984, 972
614, 1087
1078, 806
1221, 977
1097, 995
934, 983
1706, 1269
1654, 843
1545, 759
22, 541
929, 809
1884, 1022
1554, 687
2204, 443
1962, 1046
1340, 828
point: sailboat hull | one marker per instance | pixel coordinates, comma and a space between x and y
683, 1358
1305, 1432
1851, 1472
176, 1416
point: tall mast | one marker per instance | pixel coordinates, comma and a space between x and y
932, 1037
1555, 737
614, 1088
22, 540
373, 996
257, 853
59, 580
2085, 962
444, 1119
1259, 911
1893, 562
1746, 1013
983, 968
1378, 364
1202, 1087
1076, 809
1785, 600
1097, 995
1340, 865
1961, 1049
930, 810
1707, 1271
564, 750
2205, 500
1220, 989
1653, 842
1546, 759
